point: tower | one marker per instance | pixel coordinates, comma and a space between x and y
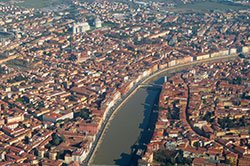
98, 23
165, 78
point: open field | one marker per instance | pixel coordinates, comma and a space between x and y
210, 6
199, 6
40, 3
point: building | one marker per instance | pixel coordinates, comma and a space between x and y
77, 156
81, 27
54, 117
98, 23
245, 49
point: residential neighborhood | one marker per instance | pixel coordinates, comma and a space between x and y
204, 116
63, 71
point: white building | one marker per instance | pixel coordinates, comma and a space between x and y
81, 27
98, 23
245, 49
78, 155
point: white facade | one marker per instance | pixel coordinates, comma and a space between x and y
98, 23
81, 28
215, 54
172, 63
246, 49
233, 51
220, 53
79, 155
205, 56
224, 52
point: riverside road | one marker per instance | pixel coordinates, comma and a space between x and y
122, 126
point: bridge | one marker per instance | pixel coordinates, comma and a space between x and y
157, 86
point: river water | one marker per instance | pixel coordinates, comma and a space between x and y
124, 131
129, 130
132, 126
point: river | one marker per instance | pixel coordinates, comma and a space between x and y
132, 125
128, 131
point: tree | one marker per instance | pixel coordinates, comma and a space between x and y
26, 140
56, 139
232, 123
72, 57
208, 117
26, 99
236, 81
48, 146
196, 144
63, 138
40, 104
170, 157
85, 114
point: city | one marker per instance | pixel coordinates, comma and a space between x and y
204, 115
66, 69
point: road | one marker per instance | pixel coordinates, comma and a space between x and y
8, 59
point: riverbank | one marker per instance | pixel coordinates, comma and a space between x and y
109, 118
189, 117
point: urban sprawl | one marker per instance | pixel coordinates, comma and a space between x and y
63, 71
